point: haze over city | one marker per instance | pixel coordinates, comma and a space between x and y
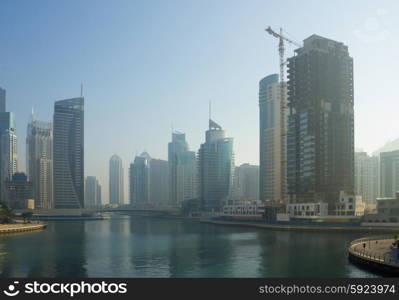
148, 67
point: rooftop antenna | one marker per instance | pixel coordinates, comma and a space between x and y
81, 90
210, 109
32, 116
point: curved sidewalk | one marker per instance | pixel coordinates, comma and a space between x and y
14, 228
375, 253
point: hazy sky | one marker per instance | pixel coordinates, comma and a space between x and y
148, 64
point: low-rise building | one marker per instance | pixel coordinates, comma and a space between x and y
306, 210
19, 190
349, 205
387, 211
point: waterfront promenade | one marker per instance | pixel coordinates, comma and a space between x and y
377, 253
20, 227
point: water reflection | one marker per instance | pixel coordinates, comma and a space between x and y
147, 247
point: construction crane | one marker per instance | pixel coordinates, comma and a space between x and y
281, 50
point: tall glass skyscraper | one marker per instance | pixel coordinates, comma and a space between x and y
116, 194
39, 162
216, 168
182, 168
69, 153
320, 139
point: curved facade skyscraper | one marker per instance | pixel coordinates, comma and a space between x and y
116, 195
216, 168
68, 153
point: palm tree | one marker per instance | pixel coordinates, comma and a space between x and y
26, 216
6, 214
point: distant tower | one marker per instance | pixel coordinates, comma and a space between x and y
182, 168
39, 162
216, 168
92, 192
69, 153
116, 194
9, 159
139, 180
2, 100
389, 173
366, 177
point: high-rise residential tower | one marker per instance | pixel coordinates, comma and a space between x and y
216, 168
366, 177
39, 162
320, 138
139, 180
182, 169
116, 194
389, 173
272, 140
68, 153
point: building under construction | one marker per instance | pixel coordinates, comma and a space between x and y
320, 135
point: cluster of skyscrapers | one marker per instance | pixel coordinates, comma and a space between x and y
206, 176
54, 159
306, 151
307, 142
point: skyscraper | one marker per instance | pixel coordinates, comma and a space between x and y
7, 126
216, 168
2, 100
320, 139
389, 173
39, 162
9, 159
68, 153
92, 192
116, 194
246, 182
139, 180
182, 168
272, 151
159, 182
366, 177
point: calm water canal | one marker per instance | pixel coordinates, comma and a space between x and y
146, 247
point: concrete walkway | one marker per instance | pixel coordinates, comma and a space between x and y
377, 250
20, 227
